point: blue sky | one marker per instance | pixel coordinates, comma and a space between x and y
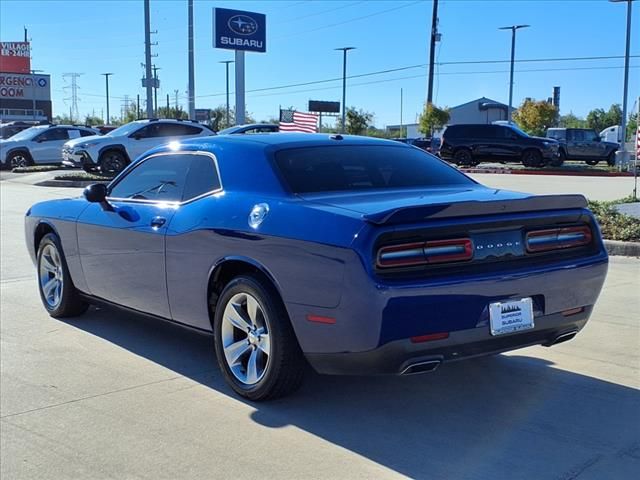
108, 36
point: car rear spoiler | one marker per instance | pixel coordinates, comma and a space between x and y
474, 208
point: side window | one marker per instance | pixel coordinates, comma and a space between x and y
53, 134
86, 133
160, 178
578, 135
73, 133
201, 178
149, 131
591, 135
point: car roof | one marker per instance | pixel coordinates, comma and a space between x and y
289, 140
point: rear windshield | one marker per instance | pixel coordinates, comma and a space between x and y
339, 168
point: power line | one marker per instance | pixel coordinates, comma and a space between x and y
410, 67
565, 59
289, 20
305, 32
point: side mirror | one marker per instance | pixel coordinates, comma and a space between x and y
97, 193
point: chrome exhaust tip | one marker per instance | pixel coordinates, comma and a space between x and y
563, 337
421, 367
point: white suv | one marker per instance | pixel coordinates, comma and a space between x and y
112, 152
39, 144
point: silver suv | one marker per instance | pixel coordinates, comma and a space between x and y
39, 144
111, 152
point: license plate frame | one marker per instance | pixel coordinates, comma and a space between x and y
511, 316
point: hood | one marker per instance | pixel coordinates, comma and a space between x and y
90, 138
408, 206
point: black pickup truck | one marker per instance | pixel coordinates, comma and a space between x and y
582, 144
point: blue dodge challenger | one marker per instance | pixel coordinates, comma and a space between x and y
356, 255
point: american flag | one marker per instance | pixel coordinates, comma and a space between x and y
292, 121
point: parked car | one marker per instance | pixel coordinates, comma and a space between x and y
112, 152
250, 128
7, 130
39, 144
583, 144
469, 144
356, 255
427, 144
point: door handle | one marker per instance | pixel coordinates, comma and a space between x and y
157, 222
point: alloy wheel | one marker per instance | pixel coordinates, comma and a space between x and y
245, 338
19, 160
51, 276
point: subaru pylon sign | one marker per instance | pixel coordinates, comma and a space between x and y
238, 30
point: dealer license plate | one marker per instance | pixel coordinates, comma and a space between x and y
511, 316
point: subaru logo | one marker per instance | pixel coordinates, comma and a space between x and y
243, 25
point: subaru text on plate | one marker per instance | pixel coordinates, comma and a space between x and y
357, 255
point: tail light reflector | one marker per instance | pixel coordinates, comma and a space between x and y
558, 238
429, 338
422, 253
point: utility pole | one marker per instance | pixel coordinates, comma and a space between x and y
147, 56
226, 64
622, 156
156, 84
168, 107
106, 80
344, 85
513, 29
138, 107
192, 98
175, 93
401, 135
432, 50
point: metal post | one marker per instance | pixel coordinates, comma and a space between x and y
240, 105
192, 98
625, 93
168, 107
106, 79
344, 85
432, 50
33, 94
227, 62
138, 107
147, 57
513, 29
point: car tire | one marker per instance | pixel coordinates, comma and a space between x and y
19, 159
611, 159
532, 158
463, 157
59, 297
255, 345
559, 161
112, 162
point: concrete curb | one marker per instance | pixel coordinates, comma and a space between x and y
506, 171
69, 183
626, 249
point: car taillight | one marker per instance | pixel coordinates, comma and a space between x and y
423, 253
557, 238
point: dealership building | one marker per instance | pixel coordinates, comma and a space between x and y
24, 95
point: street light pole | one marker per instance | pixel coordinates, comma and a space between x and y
226, 64
513, 29
622, 154
33, 92
106, 79
344, 84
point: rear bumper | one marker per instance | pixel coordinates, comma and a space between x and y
404, 357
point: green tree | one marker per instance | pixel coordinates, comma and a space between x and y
433, 118
598, 119
357, 121
535, 116
572, 121
218, 118
92, 120
172, 112
632, 126
62, 120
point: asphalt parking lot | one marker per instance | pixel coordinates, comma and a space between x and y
111, 395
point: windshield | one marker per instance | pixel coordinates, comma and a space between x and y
124, 130
227, 130
517, 129
27, 134
363, 167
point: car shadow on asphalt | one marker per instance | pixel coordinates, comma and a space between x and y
496, 417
